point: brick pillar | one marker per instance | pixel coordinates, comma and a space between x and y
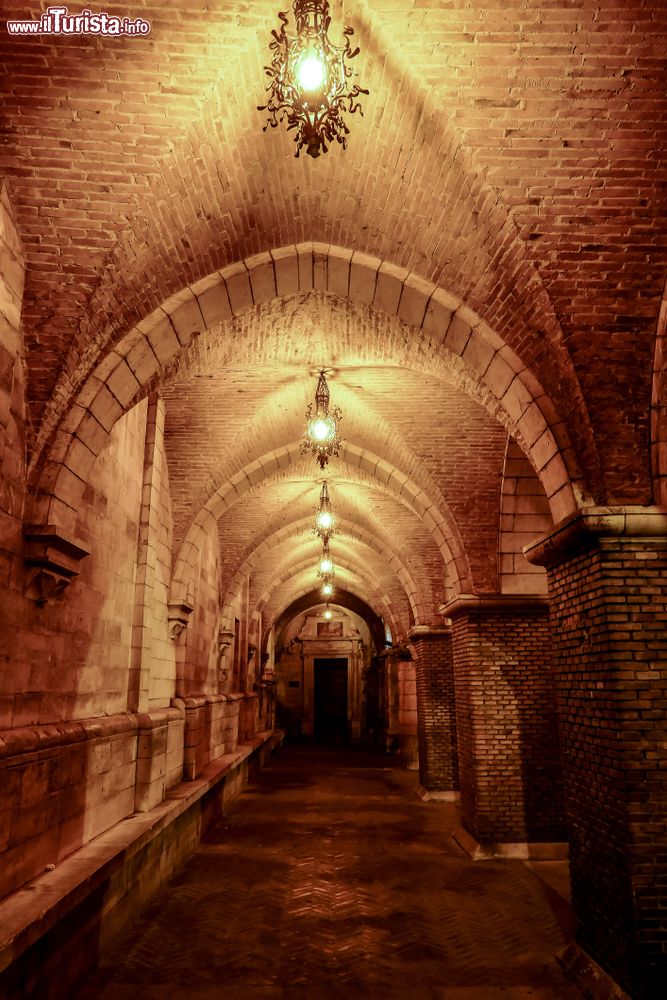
608, 585
509, 766
436, 711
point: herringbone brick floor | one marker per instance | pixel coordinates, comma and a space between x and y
331, 879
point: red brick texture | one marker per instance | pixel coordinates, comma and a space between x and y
436, 710
509, 765
609, 607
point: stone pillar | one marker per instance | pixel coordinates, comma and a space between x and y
608, 585
436, 711
509, 766
143, 640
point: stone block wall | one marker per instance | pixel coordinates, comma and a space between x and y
69, 659
524, 516
62, 785
197, 655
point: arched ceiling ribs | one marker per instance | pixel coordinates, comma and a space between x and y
442, 527
352, 521
299, 580
353, 561
302, 604
512, 392
350, 537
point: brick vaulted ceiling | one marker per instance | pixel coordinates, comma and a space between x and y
512, 151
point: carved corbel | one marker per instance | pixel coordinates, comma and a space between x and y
52, 559
178, 616
225, 639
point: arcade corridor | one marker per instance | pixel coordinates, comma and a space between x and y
330, 880
366, 447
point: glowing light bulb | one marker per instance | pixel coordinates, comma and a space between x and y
328, 614
321, 429
310, 71
325, 520
327, 589
326, 565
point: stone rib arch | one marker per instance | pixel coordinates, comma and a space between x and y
349, 523
350, 531
441, 525
298, 582
126, 373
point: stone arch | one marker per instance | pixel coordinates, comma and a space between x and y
349, 578
126, 372
441, 525
412, 591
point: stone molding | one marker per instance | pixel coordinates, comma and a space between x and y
495, 604
580, 532
52, 559
418, 632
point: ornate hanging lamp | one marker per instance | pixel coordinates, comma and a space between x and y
310, 79
326, 569
321, 435
327, 588
325, 522
327, 614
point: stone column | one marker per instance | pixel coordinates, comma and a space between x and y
608, 585
436, 711
509, 766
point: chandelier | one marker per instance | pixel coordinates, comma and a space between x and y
321, 434
309, 76
324, 517
327, 613
327, 588
326, 569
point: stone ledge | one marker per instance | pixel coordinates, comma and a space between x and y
31, 912
33, 739
519, 851
579, 532
495, 604
592, 980
428, 632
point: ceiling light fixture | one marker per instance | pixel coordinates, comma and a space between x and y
310, 79
321, 434
325, 522
327, 613
327, 588
326, 562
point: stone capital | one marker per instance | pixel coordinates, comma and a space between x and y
418, 632
580, 532
495, 604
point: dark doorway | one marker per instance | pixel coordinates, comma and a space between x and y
331, 700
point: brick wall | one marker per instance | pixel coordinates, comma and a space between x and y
506, 721
436, 710
609, 610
